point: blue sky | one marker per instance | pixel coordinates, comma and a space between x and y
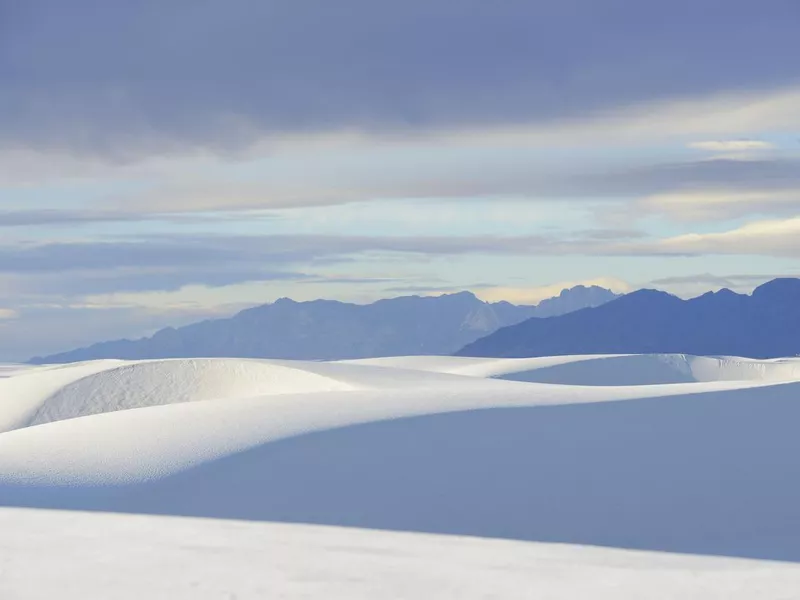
165, 162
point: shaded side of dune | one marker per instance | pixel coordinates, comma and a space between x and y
706, 474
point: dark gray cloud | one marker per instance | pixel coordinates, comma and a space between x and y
34, 217
762, 174
49, 216
108, 75
71, 284
524, 182
167, 263
696, 192
162, 262
59, 256
237, 252
229, 258
27, 218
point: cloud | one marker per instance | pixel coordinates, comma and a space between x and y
247, 255
317, 167
489, 292
70, 284
74, 78
434, 175
27, 218
735, 281
485, 196
215, 252
49, 216
93, 271
8, 313
742, 149
439, 180
163, 269
434, 290
720, 173
777, 238
693, 285
176, 260
535, 294
731, 145
713, 205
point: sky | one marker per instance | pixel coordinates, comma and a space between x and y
165, 162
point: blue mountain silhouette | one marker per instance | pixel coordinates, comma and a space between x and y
765, 324
331, 330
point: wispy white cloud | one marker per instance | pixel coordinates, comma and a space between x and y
778, 238
535, 294
737, 281
714, 205
8, 313
731, 145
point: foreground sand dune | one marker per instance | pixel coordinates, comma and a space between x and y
682, 454
703, 467
56, 555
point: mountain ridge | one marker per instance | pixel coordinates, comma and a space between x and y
333, 330
764, 324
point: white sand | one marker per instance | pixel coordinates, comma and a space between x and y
696, 455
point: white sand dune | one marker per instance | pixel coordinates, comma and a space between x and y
8, 370
24, 390
616, 370
34, 396
558, 456
705, 467
70, 555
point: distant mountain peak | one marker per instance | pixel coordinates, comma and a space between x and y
580, 288
329, 330
585, 289
573, 299
464, 295
726, 292
284, 301
765, 324
778, 287
650, 292
659, 297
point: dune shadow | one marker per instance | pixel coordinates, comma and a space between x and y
712, 474
610, 371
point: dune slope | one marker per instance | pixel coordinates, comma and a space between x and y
129, 557
53, 393
704, 467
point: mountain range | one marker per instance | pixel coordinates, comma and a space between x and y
765, 324
332, 330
